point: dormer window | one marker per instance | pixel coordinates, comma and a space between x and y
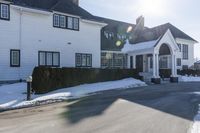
4, 11
67, 22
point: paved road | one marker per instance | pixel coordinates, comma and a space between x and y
166, 108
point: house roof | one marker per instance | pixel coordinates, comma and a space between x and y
149, 34
64, 6
116, 27
139, 46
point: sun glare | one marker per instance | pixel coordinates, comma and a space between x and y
152, 7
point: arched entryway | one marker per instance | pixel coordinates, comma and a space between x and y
165, 61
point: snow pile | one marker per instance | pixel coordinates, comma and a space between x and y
138, 46
14, 95
189, 79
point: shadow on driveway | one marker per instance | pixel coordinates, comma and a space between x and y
173, 99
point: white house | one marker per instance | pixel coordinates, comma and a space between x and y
59, 33
56, 33
149, 50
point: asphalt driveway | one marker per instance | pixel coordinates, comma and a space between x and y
166, 108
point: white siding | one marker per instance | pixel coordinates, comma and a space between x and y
38, 34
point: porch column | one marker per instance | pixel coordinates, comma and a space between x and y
134, 62
173, 74
174, 77
175, 66
157, 66
155, 79
154, 66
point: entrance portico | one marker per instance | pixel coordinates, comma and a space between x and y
152, 56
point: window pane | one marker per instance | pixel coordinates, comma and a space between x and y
70, 22
49, 59
163, 62
4, 11
55, 59
185, 51
76, 23
15, 58
56, 20
89, 60
42, 59
62, 21
78, 60
178, 62
84, 61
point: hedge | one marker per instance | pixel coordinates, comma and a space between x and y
189, 72
49, 79
165, 73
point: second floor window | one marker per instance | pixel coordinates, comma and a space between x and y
4, 11
185, 51
67, 22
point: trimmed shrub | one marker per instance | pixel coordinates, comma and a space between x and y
47, 79
165, 73
189, 72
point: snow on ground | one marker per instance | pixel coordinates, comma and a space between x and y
14, 95
189, 79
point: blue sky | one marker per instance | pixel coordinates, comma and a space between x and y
184, 14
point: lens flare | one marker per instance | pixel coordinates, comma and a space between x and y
118, 43
129, 29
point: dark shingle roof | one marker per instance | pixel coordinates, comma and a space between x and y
116, 27
156, 32
64, 6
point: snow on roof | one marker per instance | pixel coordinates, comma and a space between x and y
138, 46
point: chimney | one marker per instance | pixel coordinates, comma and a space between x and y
75, 2
140, 22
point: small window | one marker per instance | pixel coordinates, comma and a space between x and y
83, 60
178, 61
56, 20
15, 58
5, 11
62, 21
47, 58
185, 52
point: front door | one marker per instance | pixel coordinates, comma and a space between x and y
131, 62
139, 62
150, 64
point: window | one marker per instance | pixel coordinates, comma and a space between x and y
83, 60
178, 61
163, 62
51, 59
14, 58
73, 23
113, 60
185, 52
76, 23
69, 22
61, 21
179, 45
56, 20
4, 11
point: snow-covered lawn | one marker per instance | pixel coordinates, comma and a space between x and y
13, 95
189, 79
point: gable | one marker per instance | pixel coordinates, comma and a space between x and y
169, 40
